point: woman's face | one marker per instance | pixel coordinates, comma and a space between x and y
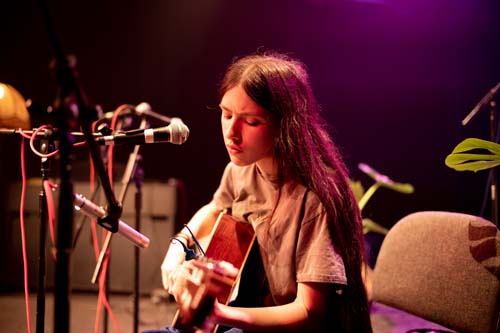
248, 130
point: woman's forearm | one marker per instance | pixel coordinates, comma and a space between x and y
307, 312
201, 224
290, 317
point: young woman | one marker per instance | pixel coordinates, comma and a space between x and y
287, 179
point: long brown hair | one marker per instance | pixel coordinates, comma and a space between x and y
305, 153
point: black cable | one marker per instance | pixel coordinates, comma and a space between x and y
190, 253
195, 241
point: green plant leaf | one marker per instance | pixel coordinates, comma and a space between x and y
474, 166
370, 226
463, 157
385, 181
401, 187
475, 143
461, 161
357, 189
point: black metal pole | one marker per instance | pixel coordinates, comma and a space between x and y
42, 256
40, 299
71, 97
494, 171
68, 89
489, 99
139, 180
62, 285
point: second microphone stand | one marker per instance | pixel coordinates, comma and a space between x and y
492, 183
132, 171
42, 258
139, 181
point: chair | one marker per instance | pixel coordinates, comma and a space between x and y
443, 267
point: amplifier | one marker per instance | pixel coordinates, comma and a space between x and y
157, 218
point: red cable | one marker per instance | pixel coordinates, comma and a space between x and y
102, 300
48, 186
23, 237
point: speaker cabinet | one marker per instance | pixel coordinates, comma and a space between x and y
157, 222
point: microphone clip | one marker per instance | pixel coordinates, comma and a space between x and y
110, 220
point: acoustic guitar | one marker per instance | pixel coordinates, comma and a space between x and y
216, 276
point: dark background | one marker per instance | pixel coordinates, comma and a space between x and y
394, 78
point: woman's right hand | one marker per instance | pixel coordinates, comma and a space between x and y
201, 224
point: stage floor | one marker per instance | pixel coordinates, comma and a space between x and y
154, 312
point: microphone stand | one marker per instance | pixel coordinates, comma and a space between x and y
139, 181
130, 172
488, 99
72, 98
40, 308
493, 171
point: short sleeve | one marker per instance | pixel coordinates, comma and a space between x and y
317, 258
224, 195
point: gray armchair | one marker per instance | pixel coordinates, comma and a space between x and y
443, 267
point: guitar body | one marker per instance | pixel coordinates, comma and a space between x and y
231, 243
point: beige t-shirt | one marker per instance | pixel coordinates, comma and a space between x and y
295, 244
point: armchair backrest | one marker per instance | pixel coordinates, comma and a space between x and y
444, 267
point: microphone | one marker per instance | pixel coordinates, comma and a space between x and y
177, 133
92, 210
129, 111
142, 109
485, 100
